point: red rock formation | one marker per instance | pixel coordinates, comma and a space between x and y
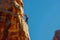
12, 23
57, 35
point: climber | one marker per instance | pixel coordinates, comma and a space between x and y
26, 20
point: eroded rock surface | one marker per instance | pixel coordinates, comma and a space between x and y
57, 35
12, 22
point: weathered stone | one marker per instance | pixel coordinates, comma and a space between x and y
57, 35
12, 22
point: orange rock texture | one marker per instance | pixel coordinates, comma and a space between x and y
12, 22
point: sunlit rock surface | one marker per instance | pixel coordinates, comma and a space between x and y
12, 22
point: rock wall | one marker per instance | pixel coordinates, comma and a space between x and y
12, 22
57, 35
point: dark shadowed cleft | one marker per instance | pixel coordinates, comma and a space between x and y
57, 34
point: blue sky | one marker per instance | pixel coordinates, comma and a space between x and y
44, 18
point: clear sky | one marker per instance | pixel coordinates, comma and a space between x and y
44, 18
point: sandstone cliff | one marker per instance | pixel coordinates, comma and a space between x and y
57, 35
12, 22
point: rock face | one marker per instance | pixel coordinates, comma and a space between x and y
12, 22
57, 35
